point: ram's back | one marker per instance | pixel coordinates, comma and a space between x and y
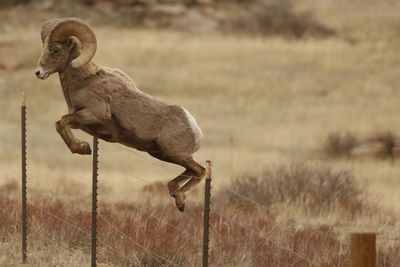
136, 111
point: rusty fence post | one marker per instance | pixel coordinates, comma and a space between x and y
94, 201
206, 224
23, 179
362, 249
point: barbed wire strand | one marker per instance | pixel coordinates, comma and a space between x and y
35, 191
158, 165
171, 225
73, 175
42, 235
136, 177
179, 250
146, 159
390, 237
75, 227
390, 233
155, 255
80, 178
102, 242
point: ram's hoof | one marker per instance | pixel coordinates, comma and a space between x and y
84, 148
181, 208
179, 200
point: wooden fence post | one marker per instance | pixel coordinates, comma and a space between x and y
363, 249
23, 179
206, 225
94, 201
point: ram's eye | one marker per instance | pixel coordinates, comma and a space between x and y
55, 50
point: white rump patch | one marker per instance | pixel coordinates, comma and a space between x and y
198, 134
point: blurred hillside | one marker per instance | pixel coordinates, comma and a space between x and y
267, 17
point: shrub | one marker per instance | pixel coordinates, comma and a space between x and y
381, 145
277, 18
388, 139
337, 144
314, 188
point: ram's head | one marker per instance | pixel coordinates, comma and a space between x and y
65, 42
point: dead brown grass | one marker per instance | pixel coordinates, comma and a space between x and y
148, 234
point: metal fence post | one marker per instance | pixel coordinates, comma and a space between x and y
94, 201
23, 177
362, 249
206, 225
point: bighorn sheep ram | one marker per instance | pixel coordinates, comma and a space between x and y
106, 103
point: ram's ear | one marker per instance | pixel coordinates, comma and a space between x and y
73, 42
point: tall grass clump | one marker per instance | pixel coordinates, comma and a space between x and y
316, 189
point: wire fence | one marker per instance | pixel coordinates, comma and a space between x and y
244, 198
73, 226
160, 259
343, 243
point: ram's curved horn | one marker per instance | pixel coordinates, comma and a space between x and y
66, 28
47, 27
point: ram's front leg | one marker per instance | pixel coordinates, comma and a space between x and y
63, 127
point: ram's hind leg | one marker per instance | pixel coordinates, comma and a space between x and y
175, 192
198, 173
174, 184
194, 172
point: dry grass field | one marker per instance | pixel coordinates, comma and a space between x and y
266, 106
